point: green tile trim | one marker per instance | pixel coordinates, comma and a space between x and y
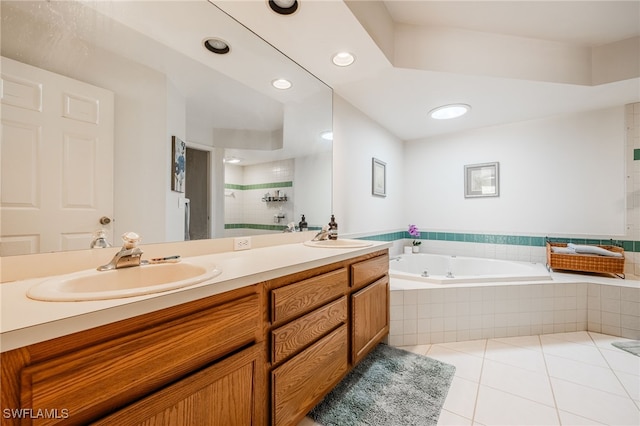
519, 240
262, 227
636, 154
254, 226
269, 185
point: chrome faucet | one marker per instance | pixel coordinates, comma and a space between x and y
323, 234
99, 239
129, 255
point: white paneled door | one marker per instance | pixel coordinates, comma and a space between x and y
56, 161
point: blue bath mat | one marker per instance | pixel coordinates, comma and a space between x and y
389, 387
633, 347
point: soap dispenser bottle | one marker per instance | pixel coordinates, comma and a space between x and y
333, 228
303, 226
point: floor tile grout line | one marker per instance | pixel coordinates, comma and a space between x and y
475, 404
443, 345
577, 360
521, 397
546, 357
553, 393
583, 385
500, 340
613, 371
606, 367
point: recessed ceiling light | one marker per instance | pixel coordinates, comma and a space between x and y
446, 112
217, 45
343, 59
231, 160
327, 135
281, 84
284, 7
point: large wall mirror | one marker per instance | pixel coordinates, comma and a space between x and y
101, 99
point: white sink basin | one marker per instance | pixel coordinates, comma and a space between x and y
124, 282
339, 243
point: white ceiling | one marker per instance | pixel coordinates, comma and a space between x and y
583, 22
510, 60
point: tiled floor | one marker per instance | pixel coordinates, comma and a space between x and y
567, 378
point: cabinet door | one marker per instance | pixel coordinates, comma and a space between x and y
301, 382
370, 321
223, 394
93, 381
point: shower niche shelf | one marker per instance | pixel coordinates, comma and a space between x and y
275, 199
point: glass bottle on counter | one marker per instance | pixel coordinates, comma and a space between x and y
333, 228
303, 226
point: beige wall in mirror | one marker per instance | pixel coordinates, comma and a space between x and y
93, 94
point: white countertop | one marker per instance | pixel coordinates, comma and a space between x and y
24, 321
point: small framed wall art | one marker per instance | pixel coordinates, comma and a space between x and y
482, 180
378, 178
178, 154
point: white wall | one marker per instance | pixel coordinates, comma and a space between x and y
234, 201
149, 110
176, 126
140, 142
312, 192
561, 175
632, 119
356, 140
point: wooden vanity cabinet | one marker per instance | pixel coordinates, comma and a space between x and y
222, 394
370, 316
321, 322
191, 360
262, 354
308, 319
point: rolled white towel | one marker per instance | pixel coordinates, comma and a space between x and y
593, 250
563, 250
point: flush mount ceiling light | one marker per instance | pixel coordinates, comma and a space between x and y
231, 160
343, 59
327, 135
216, 45
446, 112
281, 84
284, 7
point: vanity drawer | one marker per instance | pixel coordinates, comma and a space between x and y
292, 337
300, 383
366, 272
295, 299
96, 380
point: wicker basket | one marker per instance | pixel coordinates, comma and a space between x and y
586, 262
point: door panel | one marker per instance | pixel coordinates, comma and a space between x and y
57, 160
197, 191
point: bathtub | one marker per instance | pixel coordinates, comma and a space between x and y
489, 298
441, 269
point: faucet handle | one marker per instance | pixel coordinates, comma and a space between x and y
131, 240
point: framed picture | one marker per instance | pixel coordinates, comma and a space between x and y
178, 153
482, 180
379, 178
